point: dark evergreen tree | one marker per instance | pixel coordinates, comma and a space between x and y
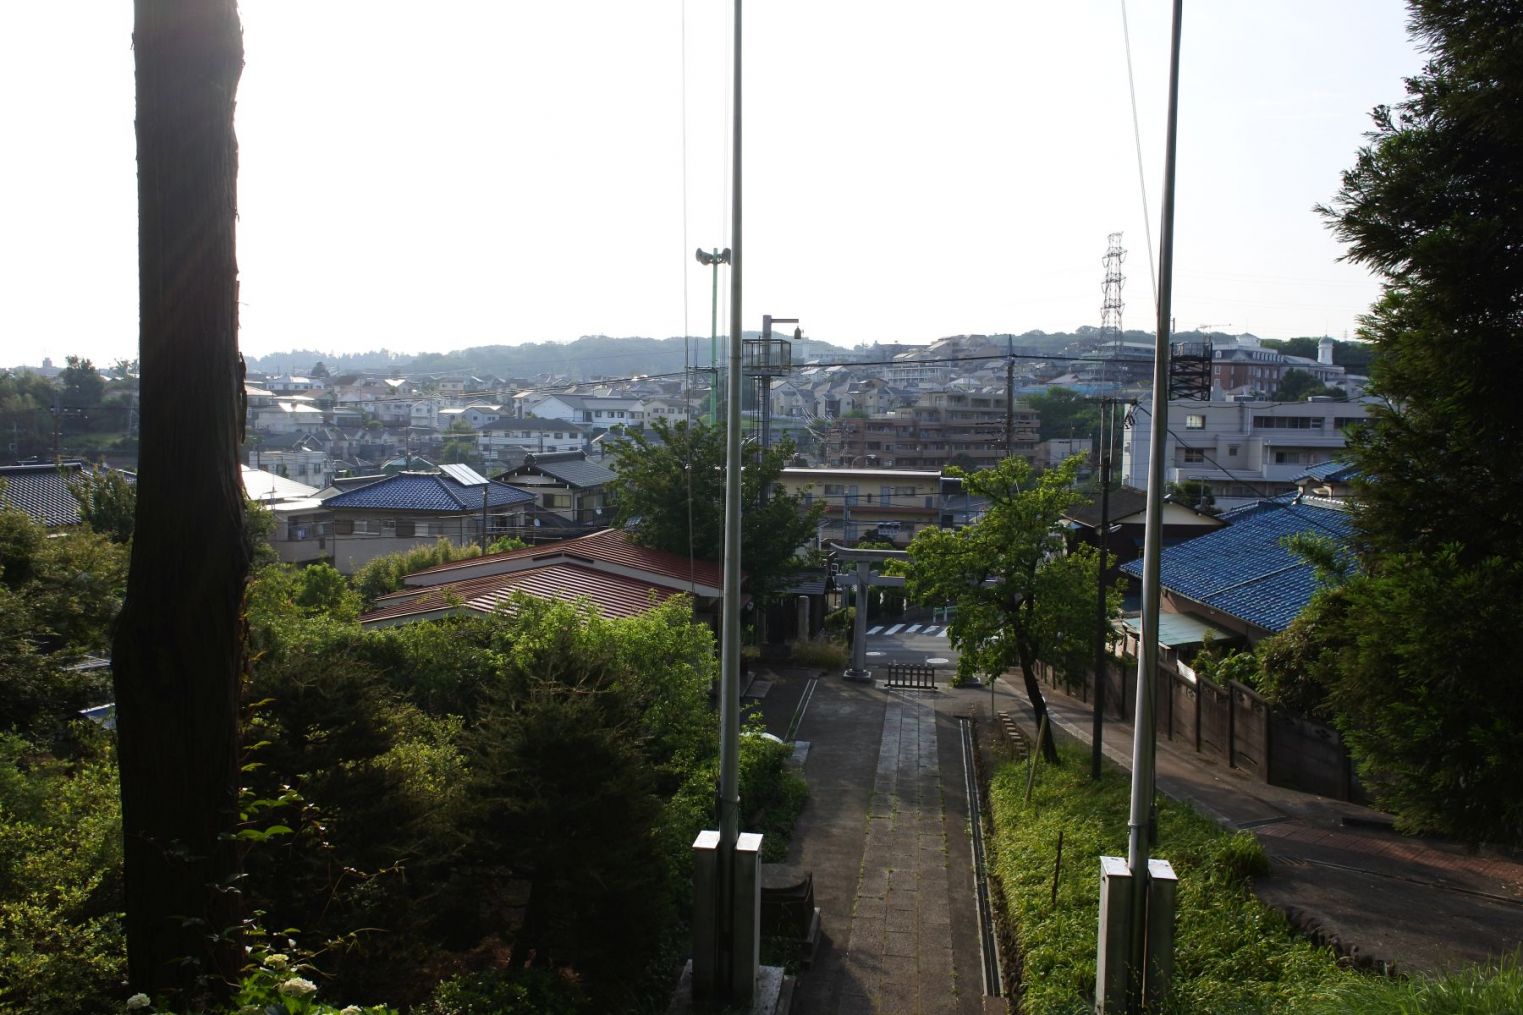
1429, 693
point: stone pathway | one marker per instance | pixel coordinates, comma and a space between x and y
893, 941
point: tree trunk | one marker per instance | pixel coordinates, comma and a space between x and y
178, 656
1038, 701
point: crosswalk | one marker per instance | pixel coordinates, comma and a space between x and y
922, 630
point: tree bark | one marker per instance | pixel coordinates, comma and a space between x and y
178, 655
1038, 700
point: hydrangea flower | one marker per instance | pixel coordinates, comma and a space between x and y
277, 961
297, 986
137, 1001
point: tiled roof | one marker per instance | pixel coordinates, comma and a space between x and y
1330, 472
572, 469
610, 546
412, 491
612, 595
1244, 570
42, 491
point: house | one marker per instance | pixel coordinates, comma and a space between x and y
601, 411
416, 509
1243, 578
512, 438
1128, 517
1244, 450
301, 522
607, 570
42, 491
566, 484
298, 456
287, 414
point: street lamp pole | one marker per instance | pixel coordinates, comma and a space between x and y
714, 260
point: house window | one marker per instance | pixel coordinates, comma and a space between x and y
1194, 456
405, 529
1195, 421
834, 489
1232, 450
343, 527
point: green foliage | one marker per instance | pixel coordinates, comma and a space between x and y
1065, 413
1475, 990
503, 544
1194, 492
1020, 598
515, 991
1232, 953
61, 942
26, 402
1298, 385
107, 503
384, 574
824, 655
675, 486
83, 386
1431, 204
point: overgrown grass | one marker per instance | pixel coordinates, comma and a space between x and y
1232, 953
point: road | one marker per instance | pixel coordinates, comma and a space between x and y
908, 641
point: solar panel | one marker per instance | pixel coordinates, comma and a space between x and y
464, 475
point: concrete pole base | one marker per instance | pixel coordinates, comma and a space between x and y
859, 676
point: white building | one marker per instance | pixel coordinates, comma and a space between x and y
1243, 450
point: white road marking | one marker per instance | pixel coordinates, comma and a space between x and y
894, 629
912, 629
934, 632
875, 630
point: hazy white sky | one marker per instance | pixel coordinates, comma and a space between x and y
432, 176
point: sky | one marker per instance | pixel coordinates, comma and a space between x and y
427, 177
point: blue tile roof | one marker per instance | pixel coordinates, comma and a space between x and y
1335, 471
1244, 570
412, 491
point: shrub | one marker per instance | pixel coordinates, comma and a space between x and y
514, 991
825, 655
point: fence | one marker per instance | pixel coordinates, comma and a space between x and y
1232, 723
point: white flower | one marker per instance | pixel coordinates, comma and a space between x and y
277, 961
298, 987
352, 1009
137, 1001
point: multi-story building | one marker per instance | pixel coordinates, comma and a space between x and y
1243, 450
894, 504
942, 428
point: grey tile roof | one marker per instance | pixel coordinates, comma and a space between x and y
410, 491
1244, 570
42, 491
571, 469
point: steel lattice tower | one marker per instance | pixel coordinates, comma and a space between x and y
1111, 303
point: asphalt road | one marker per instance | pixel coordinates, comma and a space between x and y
910, 641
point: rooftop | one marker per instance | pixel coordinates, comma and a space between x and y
415, 491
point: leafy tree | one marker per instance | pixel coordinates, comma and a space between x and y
1194, 492
1065, 413
384, 574
107, 503
1428, 692
1297, 385
1020, 599
83, 386
673, 485
319, 370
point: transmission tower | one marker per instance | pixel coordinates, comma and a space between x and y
1111, 303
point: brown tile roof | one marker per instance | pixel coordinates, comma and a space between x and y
612, 595
610, 546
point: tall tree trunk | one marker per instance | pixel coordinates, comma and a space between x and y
178, 656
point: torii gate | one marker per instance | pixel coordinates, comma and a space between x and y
862, 579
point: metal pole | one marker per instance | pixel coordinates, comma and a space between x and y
485, 490
1142, 741
714, 344
1009, 395
1100, 612
729, 696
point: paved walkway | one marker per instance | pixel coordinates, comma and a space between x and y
885, 834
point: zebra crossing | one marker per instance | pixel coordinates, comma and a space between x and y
922, 630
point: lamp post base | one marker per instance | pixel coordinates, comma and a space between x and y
859, 676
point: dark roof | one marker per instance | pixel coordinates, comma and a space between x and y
42, 491
1244, 570
1123, 502
571, 468
1330, 472
412, 491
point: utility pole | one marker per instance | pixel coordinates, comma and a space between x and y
1009, 395
713, 260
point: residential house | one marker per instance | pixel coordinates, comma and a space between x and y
510, 438
41, 490
301, 523
1127, 520
606, 570
287, 414
567, 485
298, 456
415, 509
1243, 450
601, 412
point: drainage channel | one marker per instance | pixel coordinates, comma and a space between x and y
798, 713
988, 942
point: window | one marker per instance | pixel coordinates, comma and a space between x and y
343, 527
834, 489
1194, 456
1195, 421
1232, 450
405, 529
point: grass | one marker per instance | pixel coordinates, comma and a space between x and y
1233, 954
